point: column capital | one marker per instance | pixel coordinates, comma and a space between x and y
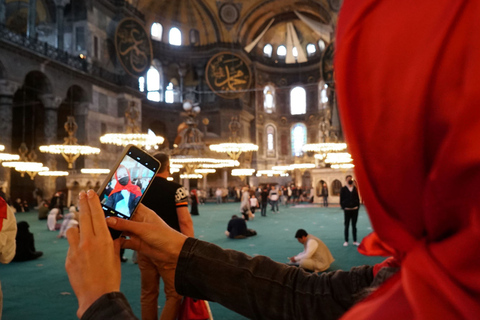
50, 101
8, 87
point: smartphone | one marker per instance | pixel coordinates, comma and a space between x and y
128, 181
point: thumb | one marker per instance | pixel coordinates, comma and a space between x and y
124, 225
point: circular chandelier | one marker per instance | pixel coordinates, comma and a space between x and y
7, 156
147, 140
342, 166
222, 163
302, 166
191, 176
242, 172
70, 150
338, 157
234, 150
324, 147
94, 171
205, 171
53, 173
271, 173
14, 164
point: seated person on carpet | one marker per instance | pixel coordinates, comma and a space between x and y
237, 229
69, 220
8, 231
25, 244
43, 210
316, 257
53, 216
253, 203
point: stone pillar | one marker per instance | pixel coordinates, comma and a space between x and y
3, 11
32, 16
225, 178
7, 89
201, 74
60, 26
204, 185
50, 104
186, 184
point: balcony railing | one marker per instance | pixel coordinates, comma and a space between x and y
53, 53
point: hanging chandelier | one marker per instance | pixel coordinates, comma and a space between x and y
95, 171
191, 176
242, 172
53, 173
26, 162
338, 157
234, 150
132, 133
205, 171
70, 149
271, 173
325, 147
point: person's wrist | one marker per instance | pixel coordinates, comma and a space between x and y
89, 299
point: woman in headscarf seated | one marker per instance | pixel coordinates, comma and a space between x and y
25, 244
125, 195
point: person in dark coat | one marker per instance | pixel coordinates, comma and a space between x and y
194, 204
25, 244
350, 203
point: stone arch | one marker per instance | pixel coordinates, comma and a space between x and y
336, 187
38, 83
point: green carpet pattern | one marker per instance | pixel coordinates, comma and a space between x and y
39, 289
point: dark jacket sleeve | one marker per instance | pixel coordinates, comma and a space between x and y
260, 288
112, 305
343, 197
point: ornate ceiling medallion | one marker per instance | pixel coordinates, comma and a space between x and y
228, 75
133, 47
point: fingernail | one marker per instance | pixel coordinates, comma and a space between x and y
90, 193
81, 195
111, 221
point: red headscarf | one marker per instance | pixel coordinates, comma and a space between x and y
408, 76
129, 187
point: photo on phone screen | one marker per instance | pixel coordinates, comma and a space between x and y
127, 184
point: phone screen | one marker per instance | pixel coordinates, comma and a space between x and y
127, 184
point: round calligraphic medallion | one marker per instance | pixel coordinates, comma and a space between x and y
133, 47
228, 75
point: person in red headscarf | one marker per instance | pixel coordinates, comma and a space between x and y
125, 195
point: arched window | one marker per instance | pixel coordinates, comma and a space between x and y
323, 95
321, 45
281, 51
175, 37
298, 101
153, 84
269, 99
270, 141
299, 138
169, 93
267, 50
141, 84
311, 49
156, 31
336, 187
295, 52
194, 36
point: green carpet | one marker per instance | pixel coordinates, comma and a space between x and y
39, 289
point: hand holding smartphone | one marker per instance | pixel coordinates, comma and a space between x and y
128, 181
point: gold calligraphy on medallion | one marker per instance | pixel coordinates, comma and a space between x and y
228, 75
133, 47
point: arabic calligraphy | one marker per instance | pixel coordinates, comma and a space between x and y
133, 47
228, 75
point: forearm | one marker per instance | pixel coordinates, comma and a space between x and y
112, 305
260, 288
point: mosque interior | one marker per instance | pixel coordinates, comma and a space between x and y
256, 71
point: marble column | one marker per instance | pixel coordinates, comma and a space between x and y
181, 72
3, 11
32, 16
7, 90
60, 26
225, 178
50, 104
204, 186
